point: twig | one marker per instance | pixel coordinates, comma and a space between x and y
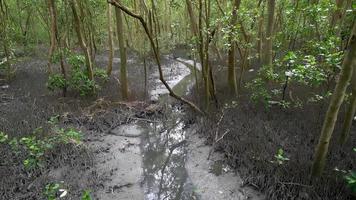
297, 184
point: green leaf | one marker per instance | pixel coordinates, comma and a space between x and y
3, 137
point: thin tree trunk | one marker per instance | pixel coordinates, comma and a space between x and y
260, 38
231, 76
350, 113
4, 36
110, 41
268, 60
53, 44
83, 45
123, 58
338, 96
144, 24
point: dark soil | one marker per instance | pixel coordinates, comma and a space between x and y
254, 137
26, 104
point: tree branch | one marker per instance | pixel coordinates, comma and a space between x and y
155, 51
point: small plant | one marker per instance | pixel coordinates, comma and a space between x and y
3, 137
101, 73
280, 157
14, 144
78, 79
351, 180
51, 191
259, 91
53, 120
35, 149
86, 195
56, 81
69, 136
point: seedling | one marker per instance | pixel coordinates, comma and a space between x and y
280, 157
351, 181
86, 195
3, 137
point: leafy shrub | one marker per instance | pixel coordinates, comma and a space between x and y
35, 149
78, 76
56, 81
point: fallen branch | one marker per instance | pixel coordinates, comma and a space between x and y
118, 4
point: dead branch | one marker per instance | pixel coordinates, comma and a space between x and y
118, 4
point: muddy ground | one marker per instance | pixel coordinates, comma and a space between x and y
131, 150
254, 136
150, 148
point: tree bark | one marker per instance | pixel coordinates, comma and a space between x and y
53, 44
123, 57
81, 40
110, 41
232, 50
268, 59
144, 24
350, 113
338, 96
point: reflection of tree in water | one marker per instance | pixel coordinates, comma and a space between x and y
163, 162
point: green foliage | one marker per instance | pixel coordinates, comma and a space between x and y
308, 73
51, 190
53, 120
3, 137
351, 181
56, 81
15, 147
78, 77
69, 136
101, 73
280, 157
86, 195
35, 149
259, 91
80, 82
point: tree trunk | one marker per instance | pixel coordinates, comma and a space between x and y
268, 59
350, 113
156, 55
260, 35
81, 40
4, 36
53, 44
232, 51
122, 49
338, 96
110, 41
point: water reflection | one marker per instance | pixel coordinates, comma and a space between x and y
164, 156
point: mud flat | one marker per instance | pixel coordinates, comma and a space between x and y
212, 178
119, 161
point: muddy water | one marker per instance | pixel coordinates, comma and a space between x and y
164, 149
164, 144
173, 159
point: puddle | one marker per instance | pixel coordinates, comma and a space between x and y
164, 144
164, 153
179, 76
